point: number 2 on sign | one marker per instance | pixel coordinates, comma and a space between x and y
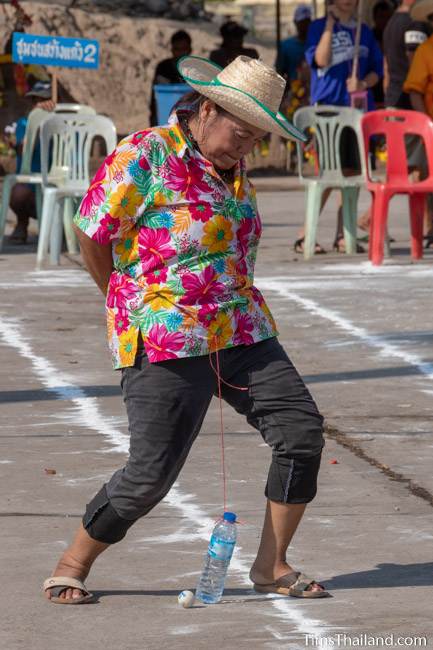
90, 52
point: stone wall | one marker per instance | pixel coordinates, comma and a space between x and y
130, 48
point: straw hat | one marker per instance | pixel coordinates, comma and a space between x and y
247, 88
421, 9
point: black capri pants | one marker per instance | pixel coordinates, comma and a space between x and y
166, 404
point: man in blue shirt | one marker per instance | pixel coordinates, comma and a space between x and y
292, 50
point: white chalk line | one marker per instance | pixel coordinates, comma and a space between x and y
88, 415
86, 411
385, 349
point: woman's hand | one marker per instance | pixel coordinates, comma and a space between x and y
47, 105
355, 85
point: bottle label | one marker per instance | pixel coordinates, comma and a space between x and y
220, 549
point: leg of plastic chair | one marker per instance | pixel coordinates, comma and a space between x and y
416, 208
379, 216
314, 200
350, 204
68, 214
8, 183
48, 210
38, 191
56, 233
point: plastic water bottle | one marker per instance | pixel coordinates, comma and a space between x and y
220, 550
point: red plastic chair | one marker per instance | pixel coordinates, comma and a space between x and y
395, 125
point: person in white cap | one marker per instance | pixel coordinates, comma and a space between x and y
292, 50
419, 81
169, 230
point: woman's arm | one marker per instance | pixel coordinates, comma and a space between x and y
98, 259
323, 54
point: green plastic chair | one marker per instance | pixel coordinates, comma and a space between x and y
327, 124
35, 120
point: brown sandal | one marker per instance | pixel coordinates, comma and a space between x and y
57, 584
293, 584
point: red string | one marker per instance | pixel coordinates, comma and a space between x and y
223, 460
220, 380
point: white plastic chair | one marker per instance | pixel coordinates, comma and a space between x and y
35, 120
67, 140
327, 124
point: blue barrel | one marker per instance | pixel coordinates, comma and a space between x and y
166, 95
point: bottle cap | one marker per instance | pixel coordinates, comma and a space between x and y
230, 516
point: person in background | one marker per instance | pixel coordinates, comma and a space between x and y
23, 199
166, 71
396, 64
416, 34
16, 79
232, 45
329, 53
382, 12
292, 49
419, 81
419, 87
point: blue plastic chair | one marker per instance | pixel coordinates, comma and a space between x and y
326, 123
166, 96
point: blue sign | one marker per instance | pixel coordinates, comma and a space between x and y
55, 51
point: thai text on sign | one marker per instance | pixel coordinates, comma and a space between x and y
55, 51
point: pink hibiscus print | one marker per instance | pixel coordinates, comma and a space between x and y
187, 179
257, 296
247, 231
244, 325
201, 288
136, 138
154, 245
201, 211
207, 313
121, 290
121, 321
162, 344
108, 227
109, 159
157, 276
95, 195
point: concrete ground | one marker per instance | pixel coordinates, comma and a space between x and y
362, 339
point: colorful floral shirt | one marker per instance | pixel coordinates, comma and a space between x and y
184, 248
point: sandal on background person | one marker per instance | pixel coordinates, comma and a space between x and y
428, 239
340, 247
298, 247
18, 235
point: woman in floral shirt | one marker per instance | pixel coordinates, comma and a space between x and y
169, 230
